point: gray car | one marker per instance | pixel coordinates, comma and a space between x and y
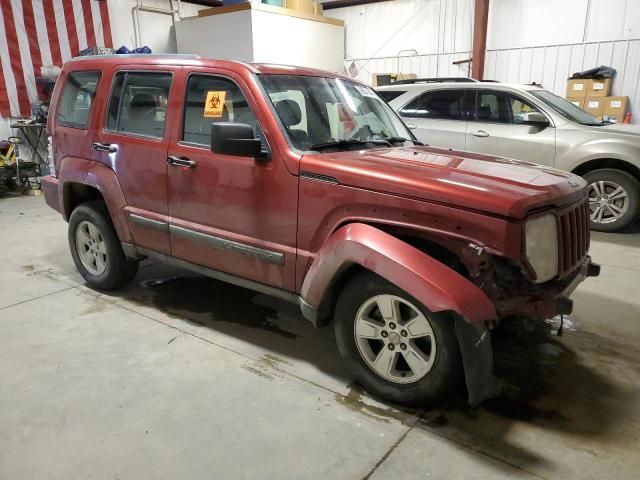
532, 124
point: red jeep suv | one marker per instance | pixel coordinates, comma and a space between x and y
305, 185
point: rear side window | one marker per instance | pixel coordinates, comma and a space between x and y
138, 103
388, 95
442, 104
210, 100
76, 100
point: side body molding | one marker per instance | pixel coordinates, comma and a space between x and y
103, 179
434, 284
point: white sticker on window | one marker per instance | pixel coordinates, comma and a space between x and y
593, 104
598, 86
578, 86
615, 104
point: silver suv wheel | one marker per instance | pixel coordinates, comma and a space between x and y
395, 339
608, 201
91, 248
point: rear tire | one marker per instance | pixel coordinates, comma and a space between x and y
614, 199
96, 250
424, 364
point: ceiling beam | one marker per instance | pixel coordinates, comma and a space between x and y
347, 3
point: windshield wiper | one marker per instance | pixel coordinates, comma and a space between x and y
348, 142
402, 139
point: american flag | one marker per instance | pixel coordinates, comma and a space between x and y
34, 33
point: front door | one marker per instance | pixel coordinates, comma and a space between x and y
134, 144
232, 214
497, 128
438, 118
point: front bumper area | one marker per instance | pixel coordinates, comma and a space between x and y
552, 299
49, 185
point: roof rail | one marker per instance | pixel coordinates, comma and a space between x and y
435, 80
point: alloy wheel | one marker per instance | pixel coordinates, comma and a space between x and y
395, 339
91, 248
608, 201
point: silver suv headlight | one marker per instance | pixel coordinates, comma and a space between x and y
541, 247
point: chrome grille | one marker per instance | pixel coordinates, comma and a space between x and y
574, 235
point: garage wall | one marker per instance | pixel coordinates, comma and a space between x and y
527, 40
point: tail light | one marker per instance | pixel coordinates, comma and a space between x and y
52, 163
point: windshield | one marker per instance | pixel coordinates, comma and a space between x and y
319, 112
566, 108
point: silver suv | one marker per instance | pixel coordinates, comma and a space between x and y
528, 123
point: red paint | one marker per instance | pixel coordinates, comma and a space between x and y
379, 199
52, 32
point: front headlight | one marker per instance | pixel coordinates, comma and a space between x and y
541, 247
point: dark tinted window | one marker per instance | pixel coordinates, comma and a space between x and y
77, 98
138, 103
442, 104
388, 95
213, 99
501, 107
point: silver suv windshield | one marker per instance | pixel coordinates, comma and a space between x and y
567, 109
320, 113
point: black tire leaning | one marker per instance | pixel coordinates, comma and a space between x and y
446, 374
632, 187
119, 270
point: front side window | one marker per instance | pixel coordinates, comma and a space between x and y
138, 103
77, 98
210, 100
441, 104
567, 109
501, 107
319, 112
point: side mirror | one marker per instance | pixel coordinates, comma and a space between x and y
536, 119
235, 139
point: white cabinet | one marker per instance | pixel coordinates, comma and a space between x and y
263, 33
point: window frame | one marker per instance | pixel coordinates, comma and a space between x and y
522, 99
61, 123
465, 114
105, 128
183, 103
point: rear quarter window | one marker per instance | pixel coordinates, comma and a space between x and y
388, 95
77, 98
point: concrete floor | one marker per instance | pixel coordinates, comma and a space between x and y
182, 377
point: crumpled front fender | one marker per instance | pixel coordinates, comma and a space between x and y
437, 286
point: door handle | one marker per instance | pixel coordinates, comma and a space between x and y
479, 133
180, 162
104, 147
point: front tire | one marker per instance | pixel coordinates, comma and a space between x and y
614, 198
393, 346
96, 250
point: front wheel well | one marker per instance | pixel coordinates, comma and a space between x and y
612, 163
78, 193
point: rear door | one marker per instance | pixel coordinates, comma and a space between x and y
497, 128
438, 117
134, 142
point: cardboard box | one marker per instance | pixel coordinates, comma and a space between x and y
599, 88
578, 102
382, 79
615, 109
577, 88
594, 106
304, 6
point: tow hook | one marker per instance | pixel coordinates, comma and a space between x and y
593, 270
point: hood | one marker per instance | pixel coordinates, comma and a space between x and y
495, 185
620, 128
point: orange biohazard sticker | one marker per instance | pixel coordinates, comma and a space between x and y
214, 105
